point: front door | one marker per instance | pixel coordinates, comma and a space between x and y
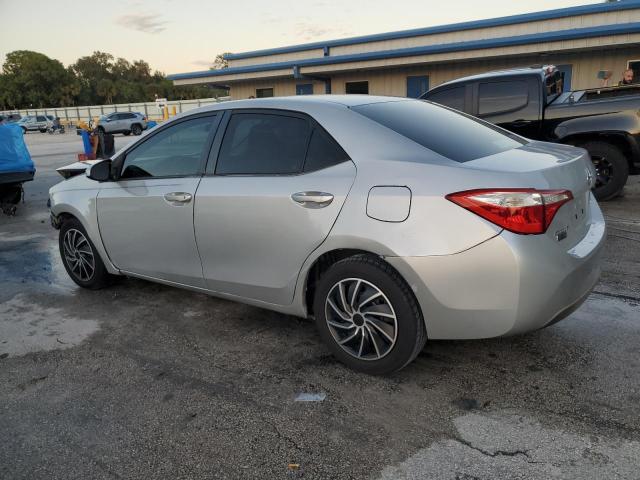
279, 183
146, 217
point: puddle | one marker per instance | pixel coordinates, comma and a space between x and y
26, 326
506, 445
30, 260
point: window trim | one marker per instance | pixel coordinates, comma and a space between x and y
118, 163
508, 110
214, 154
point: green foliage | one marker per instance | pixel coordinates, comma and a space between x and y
31, 79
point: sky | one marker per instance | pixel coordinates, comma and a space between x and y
176, 36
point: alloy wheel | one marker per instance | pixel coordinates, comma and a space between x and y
604, 170
78, 255
361, 319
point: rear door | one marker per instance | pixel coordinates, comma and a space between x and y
270, 198
146, 217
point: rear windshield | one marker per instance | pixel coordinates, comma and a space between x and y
453, 135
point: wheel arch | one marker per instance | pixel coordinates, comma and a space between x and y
63, 211
621, 140
324, 261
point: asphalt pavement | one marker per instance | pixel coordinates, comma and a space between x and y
146, 381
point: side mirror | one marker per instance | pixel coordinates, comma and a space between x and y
100, 172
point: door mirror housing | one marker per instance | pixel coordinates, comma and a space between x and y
100, 172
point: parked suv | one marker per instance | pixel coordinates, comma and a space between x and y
123, 122
35, 122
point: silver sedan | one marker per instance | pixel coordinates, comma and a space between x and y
388, 220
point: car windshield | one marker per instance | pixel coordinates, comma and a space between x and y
454, 135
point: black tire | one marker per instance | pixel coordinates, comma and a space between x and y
43, 130
612, 169
410, 332
136, 129
99, 277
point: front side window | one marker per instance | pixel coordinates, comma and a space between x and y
459, 137
501, 97
176, 151
451, 97
263, 144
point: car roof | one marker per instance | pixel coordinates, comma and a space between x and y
510, 72
299, 102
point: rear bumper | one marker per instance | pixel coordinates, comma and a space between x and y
507, 285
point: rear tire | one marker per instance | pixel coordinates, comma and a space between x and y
377, 328
80, 257
127, 133
612, 169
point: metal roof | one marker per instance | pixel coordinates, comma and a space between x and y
575, 33
454, 27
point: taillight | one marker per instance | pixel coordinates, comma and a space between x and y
519, 210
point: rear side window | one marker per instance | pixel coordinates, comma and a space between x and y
501, 97
451, 97
453, 135
323, 152
263, 144
42, 119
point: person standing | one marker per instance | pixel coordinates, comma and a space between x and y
627, 78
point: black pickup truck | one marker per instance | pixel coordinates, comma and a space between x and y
530, 102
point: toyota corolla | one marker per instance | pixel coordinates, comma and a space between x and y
389, 221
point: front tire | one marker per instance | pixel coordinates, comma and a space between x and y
612, 169
368, 316
136, 129
80, 257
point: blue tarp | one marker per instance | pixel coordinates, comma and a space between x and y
14, 156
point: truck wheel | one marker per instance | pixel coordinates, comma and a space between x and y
612, 169
368, 316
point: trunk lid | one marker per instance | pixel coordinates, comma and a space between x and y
548, 166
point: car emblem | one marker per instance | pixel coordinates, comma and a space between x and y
589, 178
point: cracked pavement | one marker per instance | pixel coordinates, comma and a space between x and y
146, 381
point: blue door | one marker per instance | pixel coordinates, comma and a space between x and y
566, 69
304, 89
417, 85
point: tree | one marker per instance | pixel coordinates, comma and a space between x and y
33, 79
220, 62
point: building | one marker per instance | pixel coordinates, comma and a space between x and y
581, 41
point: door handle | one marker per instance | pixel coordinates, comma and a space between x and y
312, 199
178, 197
